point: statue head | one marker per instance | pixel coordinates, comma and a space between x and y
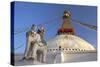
41, 31
33, 27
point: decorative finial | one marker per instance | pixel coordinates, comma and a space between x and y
66, 14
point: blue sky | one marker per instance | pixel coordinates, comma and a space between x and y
27, 13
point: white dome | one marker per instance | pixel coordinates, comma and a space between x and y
69, 41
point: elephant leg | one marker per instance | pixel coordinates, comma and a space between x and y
27, 51
44, 55
34, 54
31, 50
38, 55
41, 56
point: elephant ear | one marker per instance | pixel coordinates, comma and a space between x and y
27, 34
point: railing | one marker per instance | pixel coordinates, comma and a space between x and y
71, 50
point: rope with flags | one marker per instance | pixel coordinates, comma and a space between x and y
93, 27
38, 25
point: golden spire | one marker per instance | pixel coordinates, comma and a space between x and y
66, 27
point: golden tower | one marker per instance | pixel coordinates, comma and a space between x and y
66, 27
